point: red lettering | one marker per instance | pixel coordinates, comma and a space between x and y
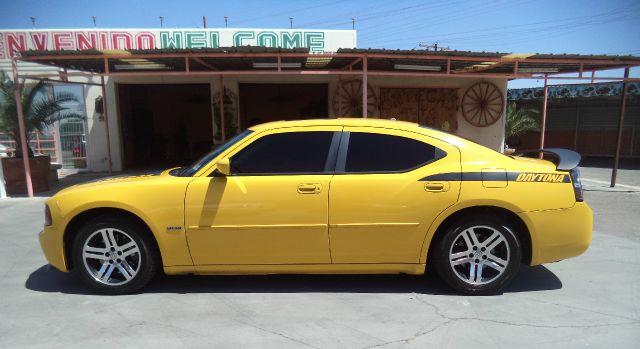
87, 41
145, 41
40, 40
63, 41
16, 43
121, 41
104, 40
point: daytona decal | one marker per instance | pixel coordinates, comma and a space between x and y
541, 177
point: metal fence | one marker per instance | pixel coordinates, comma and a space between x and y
73, 144
40, 142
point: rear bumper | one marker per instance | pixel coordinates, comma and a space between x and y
559, 234
53, 248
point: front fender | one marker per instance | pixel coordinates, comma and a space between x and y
158, 202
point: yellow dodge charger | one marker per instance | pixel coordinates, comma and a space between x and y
326, 196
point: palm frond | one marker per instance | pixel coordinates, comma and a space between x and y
520, 120
40, 109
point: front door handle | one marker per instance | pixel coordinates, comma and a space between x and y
436, 186
309, 188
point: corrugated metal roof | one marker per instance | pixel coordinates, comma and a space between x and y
381, 60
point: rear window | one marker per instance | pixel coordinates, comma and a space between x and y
380, 153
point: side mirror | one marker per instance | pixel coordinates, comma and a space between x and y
224, 166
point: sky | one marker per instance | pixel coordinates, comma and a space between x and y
531, 26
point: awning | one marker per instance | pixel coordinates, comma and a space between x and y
265, 60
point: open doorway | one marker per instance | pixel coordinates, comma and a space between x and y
164, 125
260, 103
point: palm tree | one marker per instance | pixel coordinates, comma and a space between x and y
519, 121
40, 112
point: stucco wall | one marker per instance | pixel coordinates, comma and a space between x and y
491, 136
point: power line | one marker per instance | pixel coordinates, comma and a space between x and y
288, 12
374, 15
568, 23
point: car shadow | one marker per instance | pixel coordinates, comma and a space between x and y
529, 279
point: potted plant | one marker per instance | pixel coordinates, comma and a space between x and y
41, 110
518, 121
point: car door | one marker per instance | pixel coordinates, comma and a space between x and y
380, 204
272, 208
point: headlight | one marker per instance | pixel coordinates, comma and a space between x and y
47, 216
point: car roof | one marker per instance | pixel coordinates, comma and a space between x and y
382, 123
385, 123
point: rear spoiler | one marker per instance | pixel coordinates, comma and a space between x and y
566, 160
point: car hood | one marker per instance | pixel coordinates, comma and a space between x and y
117, 180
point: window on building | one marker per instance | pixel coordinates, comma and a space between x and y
380, 153
293, 152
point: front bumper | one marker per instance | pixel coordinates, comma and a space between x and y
52, 245
560, 234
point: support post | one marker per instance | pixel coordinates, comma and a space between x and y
21, 127
623, 105
223, 137
543, 121
106, 123
365, 84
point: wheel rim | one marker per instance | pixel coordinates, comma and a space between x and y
479, 255
111, 256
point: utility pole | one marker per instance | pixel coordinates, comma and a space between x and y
204, 22
93, 18
161, 21
353, 23
291, 22
33, 21
226, 22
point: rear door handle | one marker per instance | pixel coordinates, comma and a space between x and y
309, 188
436, 186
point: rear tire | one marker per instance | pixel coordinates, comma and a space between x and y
114, 255
478, 255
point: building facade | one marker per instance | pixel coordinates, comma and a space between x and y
157, 120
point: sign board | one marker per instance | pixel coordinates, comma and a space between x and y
317, 41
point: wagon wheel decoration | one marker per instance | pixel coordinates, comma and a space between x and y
482, 104
347, 99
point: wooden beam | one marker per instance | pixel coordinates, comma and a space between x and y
623, 104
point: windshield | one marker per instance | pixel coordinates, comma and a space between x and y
196, 166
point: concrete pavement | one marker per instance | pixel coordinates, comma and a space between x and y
589, 301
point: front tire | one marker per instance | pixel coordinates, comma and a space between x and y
114, 256
478, 256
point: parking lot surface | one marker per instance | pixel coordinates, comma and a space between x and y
589, 301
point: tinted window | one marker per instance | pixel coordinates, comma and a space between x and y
195, 167
370, 152
294, 152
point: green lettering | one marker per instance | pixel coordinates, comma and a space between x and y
291, 40
315, 41
214, 39
240, 38
268, 39
195, 39
171, 39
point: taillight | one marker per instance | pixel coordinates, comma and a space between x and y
47, 216
577, 184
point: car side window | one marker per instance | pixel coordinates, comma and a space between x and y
282, 153
381, 153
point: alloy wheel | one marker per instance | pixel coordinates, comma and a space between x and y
111, 256
479, 255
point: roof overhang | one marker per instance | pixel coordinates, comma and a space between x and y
264, 60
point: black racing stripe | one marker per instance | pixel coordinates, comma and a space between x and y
483, 176
450, 176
